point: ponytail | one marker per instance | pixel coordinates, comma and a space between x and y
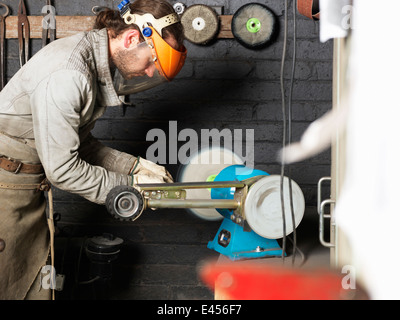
112, 20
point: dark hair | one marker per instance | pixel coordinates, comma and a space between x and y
112, 20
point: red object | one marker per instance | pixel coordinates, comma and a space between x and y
309, 8
247, 281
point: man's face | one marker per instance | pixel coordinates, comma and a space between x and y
138, 60
134, 62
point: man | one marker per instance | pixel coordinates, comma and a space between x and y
47, 111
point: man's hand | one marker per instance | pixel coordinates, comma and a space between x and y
148, 172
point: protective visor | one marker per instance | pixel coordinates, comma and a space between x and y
158, 56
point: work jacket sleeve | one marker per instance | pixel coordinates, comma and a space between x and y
60, 104
96, 153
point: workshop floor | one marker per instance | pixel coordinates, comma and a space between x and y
162, 265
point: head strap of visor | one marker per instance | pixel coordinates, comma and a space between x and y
142, 21
168, 60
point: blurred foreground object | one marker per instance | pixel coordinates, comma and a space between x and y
256, 281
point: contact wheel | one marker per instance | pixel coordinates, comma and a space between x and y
125, 203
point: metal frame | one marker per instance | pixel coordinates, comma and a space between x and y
321, 212
173, 195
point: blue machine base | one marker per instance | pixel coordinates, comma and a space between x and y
235, 243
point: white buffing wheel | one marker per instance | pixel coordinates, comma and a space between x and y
263, 209
202, 167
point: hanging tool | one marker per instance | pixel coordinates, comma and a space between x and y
48, 25
23, 34
2, 51
97, 9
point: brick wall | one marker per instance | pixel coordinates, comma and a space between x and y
222, 85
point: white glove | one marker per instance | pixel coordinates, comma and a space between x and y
148, 172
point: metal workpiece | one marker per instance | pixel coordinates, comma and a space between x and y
193, 203
173, 195
191, 185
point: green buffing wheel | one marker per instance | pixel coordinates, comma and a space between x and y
254, 25
200, 24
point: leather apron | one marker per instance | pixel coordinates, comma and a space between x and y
23, 224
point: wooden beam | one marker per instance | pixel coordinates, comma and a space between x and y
70, 25
65, 26
225, 27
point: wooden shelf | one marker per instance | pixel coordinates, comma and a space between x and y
70, 25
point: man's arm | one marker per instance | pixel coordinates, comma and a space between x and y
96, 153
57, 104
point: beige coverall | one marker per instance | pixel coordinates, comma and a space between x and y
47, 111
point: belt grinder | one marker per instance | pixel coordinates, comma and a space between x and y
248, 201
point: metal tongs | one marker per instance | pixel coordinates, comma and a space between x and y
23, 33
48, 30
2, 37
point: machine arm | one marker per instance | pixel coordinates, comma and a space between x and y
127, 203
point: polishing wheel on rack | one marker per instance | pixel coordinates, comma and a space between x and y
204, 166
254, 25
200, 24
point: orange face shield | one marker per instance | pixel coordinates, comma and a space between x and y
167, 60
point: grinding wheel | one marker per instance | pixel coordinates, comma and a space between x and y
263, 209
254, 25
205, 166
200, 24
